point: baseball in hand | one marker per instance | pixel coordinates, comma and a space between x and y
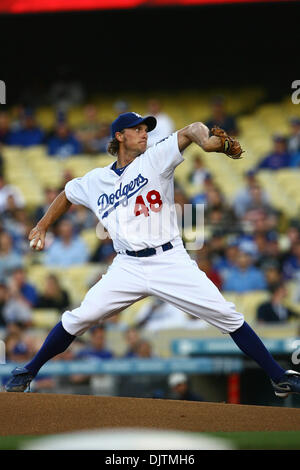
38, 245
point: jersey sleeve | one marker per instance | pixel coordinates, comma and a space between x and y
165, 155
77, 190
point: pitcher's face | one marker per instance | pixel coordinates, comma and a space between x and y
134, 139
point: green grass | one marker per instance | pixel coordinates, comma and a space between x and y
13, 442
263, 440
272, 440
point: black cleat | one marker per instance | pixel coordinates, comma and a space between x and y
289, 383
19, 381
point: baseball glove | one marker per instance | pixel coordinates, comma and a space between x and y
230, 146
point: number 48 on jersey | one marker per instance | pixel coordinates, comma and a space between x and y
154, 203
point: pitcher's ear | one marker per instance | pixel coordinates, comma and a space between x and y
119, 136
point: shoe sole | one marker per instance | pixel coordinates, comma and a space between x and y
281, 395
15, 390
20, 389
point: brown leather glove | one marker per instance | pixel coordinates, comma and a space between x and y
230, 146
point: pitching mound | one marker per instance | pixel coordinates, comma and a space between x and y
34, 414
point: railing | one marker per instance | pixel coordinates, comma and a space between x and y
136, 366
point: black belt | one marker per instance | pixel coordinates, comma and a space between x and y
149, 251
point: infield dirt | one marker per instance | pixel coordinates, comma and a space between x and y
34, 414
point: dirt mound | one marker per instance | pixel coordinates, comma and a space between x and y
33, 414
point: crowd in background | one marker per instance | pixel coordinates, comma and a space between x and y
243, 253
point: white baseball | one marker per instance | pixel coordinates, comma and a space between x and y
38, 245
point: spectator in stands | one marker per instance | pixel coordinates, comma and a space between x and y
270, 252
224, 263
261, 220
218, 214
66, 249
244, 277
290, 239
10, 259
142, 385
64, 143
16, 309
18, 224
91, 123
205, 264
5, 131
198, 173
17, 114
8, 191
217, 244
144, 349
104, 252
279, 156
49, 195
272, 272
19, 345
132, 338
53, 296
257, 201
180, 388
201, 197
102, 139
81, 218
24, 289
274, 311
245, 197
291, 265
1, 161
164, 126
221, 118
180, 200
3, 300
293, 232
294, 141
29, 133
97, 347
88, 130
273, 250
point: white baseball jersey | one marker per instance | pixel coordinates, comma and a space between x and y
136, 207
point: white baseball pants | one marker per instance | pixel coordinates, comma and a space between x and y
171, 275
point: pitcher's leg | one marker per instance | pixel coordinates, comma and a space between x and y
194, 293
189, 289
57, 341
251, 345
121, 286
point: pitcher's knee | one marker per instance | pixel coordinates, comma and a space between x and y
78, 321
230, 319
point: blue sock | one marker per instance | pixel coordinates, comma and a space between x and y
248, 341
56, 342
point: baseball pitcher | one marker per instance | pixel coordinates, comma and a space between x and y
133, 198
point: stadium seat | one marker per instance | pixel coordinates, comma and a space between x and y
247, 303
45, 318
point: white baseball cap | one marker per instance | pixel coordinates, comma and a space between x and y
177, 378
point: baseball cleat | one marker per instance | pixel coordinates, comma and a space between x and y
19, 381
289, 383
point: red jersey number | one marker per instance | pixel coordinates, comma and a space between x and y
154, 200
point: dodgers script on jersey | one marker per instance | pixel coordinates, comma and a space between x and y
137, 207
